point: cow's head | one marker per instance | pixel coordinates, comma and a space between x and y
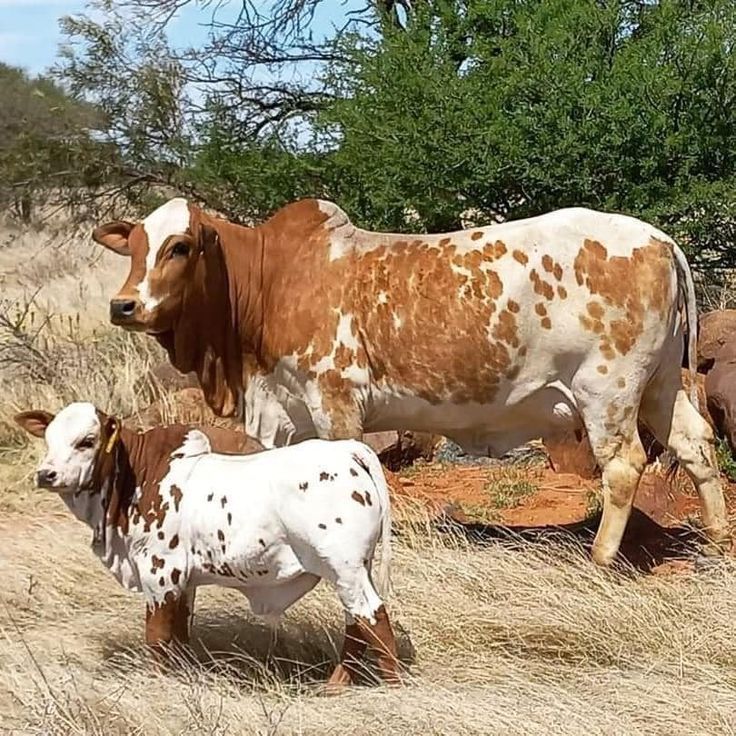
177, 290
165, 252
77, 439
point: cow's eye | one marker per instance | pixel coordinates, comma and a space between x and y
86, 444
180, 250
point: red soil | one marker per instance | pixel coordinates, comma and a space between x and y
530, 500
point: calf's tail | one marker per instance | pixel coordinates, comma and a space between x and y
372, 465
687, 292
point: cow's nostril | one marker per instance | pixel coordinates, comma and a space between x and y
122, 307
46, 477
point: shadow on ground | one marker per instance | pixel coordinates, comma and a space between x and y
645, 546
303, 653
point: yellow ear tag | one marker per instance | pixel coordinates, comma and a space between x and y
113, 439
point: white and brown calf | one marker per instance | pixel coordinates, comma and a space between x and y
170, 515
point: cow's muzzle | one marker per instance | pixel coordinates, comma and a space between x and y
122, 311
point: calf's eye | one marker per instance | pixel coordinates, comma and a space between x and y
86, 444
180, 250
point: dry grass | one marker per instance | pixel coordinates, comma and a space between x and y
508, 640
500, 640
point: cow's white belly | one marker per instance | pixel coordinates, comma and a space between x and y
485, 429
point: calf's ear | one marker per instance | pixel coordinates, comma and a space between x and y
34, 422
114, 236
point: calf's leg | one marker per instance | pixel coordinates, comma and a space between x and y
168, 622
368, 627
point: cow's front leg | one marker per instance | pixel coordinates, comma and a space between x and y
335, 412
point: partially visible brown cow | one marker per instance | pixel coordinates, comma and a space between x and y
715, 329
720, 389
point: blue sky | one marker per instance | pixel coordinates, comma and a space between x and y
29, 29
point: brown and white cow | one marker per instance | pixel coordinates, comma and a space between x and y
490, 336
170, 515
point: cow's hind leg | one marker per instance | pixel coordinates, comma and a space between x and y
368, 626
614, 439
675, 422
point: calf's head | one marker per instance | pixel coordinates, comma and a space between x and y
78, 440
166, 259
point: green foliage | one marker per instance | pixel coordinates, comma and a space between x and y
508, 493
497, 108
521, 107
45, 141
726, 461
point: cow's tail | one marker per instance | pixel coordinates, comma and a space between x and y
368, 459
687, 291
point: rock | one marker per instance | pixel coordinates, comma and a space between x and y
162, 379
188, 406
570, 453
398, 450
714, 331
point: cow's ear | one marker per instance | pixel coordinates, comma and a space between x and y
208, 238
114, 236
34, 422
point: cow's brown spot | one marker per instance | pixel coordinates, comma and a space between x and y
161, 581
174, 541
520, 257
223, 501
493, 251
540, 309
557, 271
338, 520
368, 498
605, 347
156, 563
636, 285
303, 486
547, 263
562, 292
476, 235
353, 472
160, 535
175, 575
221, 535
262, 543
229, 518
324, 476
513, 306
210, 496
621, 382
603, 369
546, 323
176, 494
541, 286
357, 498
595, 310
322, 526
505, 329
